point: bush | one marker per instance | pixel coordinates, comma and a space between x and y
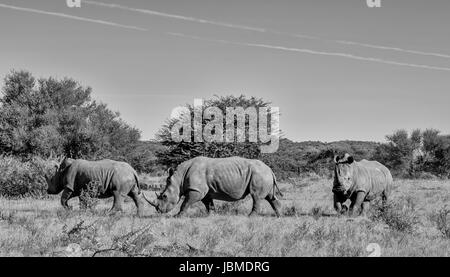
399, 216
83, 235
290, 211
317, 212
88, 196
23, 178
441, 219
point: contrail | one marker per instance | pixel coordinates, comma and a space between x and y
262, 30
68, 16
174, 16
313, 52
257, 45
393, 49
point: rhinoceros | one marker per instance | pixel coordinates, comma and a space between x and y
361, 182
228, 179
113, 178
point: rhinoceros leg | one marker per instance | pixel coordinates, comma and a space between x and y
275, 204
134, 194
365, 208
356, 205
117, 205
256, 205
209, 204
189, 198
65, 197
337, 201
384, 198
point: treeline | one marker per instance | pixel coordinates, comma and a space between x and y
49, 117
295, 159
420, 154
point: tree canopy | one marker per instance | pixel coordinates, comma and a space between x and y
57, 116
179, 151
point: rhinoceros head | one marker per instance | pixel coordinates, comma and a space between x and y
54, 179
343, 172
170, 196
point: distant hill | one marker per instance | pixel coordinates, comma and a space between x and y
291, 159
296, 158
143, 156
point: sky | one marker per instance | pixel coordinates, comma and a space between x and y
337, 70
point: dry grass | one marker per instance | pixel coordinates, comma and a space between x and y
310, 227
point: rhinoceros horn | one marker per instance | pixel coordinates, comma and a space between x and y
151, 202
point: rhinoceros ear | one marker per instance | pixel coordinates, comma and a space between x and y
336, 159
348, 159
170, 171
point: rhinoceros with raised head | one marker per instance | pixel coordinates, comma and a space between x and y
228, 179
113, 178
361, 182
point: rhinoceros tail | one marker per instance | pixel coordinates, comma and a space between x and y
137, 182
275, 184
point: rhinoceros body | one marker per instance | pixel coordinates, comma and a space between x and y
112, 178
229, 179
361, 182
372, 178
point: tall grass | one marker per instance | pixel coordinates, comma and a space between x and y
442, 221
398, 215
40, 227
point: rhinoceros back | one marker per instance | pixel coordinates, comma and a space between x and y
373, 178
226, 178
106, 173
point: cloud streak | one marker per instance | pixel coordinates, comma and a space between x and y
254, 45
439, 55
313, 52
68, 16
263, 30
174, 16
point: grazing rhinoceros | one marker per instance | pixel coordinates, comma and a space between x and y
229, 179
113, 178
361, 182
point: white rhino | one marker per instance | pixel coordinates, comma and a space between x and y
361, 182
114, 179
229, 179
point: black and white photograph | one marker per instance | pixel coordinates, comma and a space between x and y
241, 130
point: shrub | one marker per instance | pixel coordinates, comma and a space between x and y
81, 234
316, 212
149, 182
88, 196
231, 208
23, 178
290, 211
441, 219
397, 215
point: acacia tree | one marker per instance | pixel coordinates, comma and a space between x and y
178, 151
411, 155
397, 154
436, 153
